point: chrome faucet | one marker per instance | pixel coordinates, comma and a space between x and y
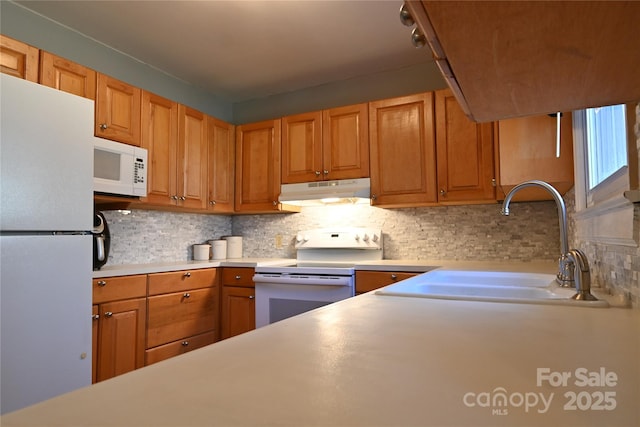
570, 260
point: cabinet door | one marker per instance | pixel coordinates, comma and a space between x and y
179, 315
345, 142
465, 154
95, 319
117, 110
302, 148
258, 166
160, 138
121, 337
221, 165
403, 158
192, 157
238, 311
527, 149
18, 59
67, 76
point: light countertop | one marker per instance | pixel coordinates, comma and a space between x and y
377, 360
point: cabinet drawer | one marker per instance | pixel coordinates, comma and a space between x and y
179, 347
237, 276
174, 281
117, 288
369, 280
178, 315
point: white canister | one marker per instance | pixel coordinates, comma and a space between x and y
234, 246
219, 249
201, 252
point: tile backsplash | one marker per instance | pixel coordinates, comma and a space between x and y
146, 236
473, 232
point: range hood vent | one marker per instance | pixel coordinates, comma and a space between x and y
326, 192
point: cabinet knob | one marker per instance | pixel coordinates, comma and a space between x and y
183, 198
443, 192
185, 343
186, 295
102, 283
108, 314
275, 203
251, 297
187, 274
317, 173
174, 197
212, 202
417, 38
103, 126
95, 316
405, 16
394, 277
326, 172
238, 277
374, 197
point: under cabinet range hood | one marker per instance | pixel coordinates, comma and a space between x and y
326, 192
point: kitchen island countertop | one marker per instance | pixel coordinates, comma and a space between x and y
379, 360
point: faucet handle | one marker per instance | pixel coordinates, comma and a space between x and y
582, 275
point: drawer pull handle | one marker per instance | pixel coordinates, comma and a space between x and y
186, 295
108, 314
185, 343
238, 277
187, 274
394, 277
102, 283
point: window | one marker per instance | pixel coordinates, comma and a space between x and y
606, 138
603, 147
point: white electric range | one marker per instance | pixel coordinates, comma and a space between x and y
322, 274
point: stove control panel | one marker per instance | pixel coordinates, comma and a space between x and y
347, 238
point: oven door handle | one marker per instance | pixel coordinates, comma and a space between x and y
302, 280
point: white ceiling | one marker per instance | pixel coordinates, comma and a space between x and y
246, 49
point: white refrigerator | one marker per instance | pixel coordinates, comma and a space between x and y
46, 215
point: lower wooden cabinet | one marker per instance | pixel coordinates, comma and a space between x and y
119, 315
367, 281
179, 347
182, 312
238, 314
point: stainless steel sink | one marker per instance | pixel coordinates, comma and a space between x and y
492, 286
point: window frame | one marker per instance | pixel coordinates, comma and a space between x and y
605, 214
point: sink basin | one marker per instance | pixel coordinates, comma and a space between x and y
492, 286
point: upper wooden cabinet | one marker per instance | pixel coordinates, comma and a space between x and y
258, 166
67, 76
522, 58
465, 162
18, 59
117, 110
220, 165
192, 158
160, 138
325, 145
403, 156
528, 149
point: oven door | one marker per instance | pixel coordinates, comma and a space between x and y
280, 296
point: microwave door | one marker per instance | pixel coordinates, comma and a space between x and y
110, 171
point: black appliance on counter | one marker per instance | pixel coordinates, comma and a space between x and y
101, 240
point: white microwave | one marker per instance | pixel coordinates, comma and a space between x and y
119, 169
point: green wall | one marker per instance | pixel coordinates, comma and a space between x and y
36, 30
